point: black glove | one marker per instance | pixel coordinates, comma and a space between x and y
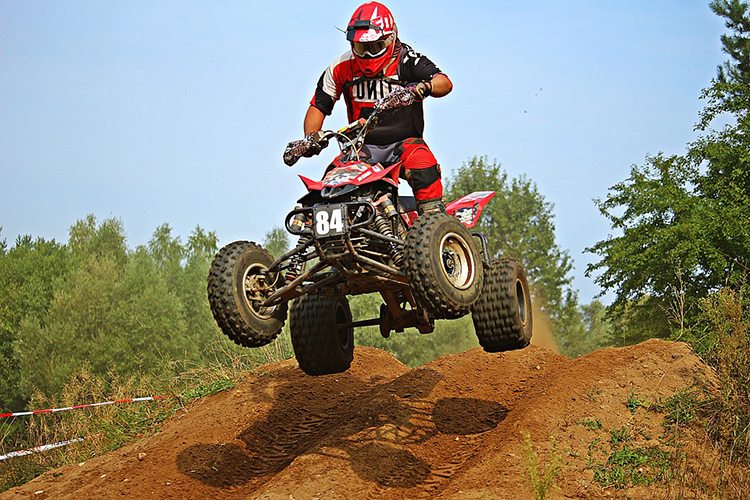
420, 90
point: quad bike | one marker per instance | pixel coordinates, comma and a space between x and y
357, 235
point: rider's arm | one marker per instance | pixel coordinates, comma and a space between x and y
441, 85
313, 120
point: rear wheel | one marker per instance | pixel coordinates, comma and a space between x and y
237, 286
502, 317
321, 343
443, 265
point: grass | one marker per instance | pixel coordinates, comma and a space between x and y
629, 465
683, 464
541, 477
109, 426
633, 403
633, 466
705, 448
619, 436
593, 424
722, 339
591, 394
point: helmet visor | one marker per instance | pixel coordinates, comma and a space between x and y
371, 50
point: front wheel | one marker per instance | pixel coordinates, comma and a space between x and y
322, 341
238, 284
443, 266
502, 317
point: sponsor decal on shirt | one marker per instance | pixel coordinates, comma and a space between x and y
370, 91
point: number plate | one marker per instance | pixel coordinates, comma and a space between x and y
329, 220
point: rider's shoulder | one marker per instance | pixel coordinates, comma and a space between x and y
345, 58
408, 53
340, 70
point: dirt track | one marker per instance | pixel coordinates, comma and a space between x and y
450, 429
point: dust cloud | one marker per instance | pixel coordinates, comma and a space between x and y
543, 335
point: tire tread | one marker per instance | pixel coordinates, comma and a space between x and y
220, 284
496, 318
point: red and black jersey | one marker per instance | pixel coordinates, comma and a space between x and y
343, 77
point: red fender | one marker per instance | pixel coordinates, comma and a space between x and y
373, 173
468, 208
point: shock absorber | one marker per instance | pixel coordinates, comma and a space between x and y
296, 262
383, 226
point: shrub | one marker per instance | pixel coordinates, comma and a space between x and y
725, 345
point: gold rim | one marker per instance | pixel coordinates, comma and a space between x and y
457, 262
256, 289
521, 299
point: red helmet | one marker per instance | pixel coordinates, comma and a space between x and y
372, 33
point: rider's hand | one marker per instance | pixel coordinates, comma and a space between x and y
311, 145
420, 90
404, 96
293, 152
399, 98
316, 145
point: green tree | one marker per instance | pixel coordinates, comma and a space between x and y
119, 312
184, 268
88, 239
659, 244
94, 303
166, 251
30, 273
201, 248
592, 331
276, 241
684, 221
737, 45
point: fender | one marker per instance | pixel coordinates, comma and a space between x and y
370, 174
468, 208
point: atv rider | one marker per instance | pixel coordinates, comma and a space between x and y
377, 64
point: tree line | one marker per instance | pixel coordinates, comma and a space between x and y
93, 302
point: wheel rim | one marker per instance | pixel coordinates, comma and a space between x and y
457, 261
256, 289
342, 332
521, 298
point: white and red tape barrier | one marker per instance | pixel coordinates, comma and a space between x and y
44, 447
91, 405
52, 446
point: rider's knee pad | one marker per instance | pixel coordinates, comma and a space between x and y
422, 178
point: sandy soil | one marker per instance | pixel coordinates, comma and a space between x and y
450, 429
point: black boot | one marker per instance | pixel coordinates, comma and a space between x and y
431, 205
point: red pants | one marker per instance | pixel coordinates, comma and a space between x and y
420, 169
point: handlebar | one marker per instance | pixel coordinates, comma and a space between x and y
353, 135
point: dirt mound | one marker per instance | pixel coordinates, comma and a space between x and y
450, 429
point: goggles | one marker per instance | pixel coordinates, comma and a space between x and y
371, 50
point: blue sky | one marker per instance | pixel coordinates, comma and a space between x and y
178, 112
